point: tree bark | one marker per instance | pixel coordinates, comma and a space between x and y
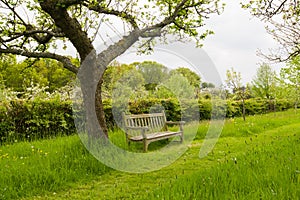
89, 78
100, 110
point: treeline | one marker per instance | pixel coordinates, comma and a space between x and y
36, 119
35, 95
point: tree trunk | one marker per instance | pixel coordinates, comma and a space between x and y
90, 75
100, 110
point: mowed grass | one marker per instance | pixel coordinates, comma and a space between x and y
256, 159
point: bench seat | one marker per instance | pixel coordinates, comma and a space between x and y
156, 136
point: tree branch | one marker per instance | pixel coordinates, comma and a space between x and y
70, 26
63, 59
33, 33
121, 14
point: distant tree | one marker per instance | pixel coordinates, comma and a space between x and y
119, 76
176, 86
193, 78
154, 73
234, 82
264, 82
54, 73
209, 90
44, 72
291, 79
207, 85
129, 86
282, 18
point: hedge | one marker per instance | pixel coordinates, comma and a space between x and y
35, 119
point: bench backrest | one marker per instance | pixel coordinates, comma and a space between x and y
154, 121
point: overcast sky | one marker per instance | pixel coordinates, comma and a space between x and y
237, 38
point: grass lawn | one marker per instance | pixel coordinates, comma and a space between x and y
256, 159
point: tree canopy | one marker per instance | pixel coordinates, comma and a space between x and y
193, 78
291, 78
34, 28
154, 73
264, 83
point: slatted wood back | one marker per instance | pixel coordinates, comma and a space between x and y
156, 122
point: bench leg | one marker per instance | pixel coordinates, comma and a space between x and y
146, 143
128, 143
181, 138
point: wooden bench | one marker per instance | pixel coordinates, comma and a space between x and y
148, 128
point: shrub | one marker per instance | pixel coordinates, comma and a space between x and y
35, 118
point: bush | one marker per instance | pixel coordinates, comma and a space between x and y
35, 119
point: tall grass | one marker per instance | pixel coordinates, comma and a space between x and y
63, 166
270, 171
32, 168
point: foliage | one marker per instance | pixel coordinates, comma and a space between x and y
36, 118
31, 120
45, 73
291, 79
38, 114
177, 86
148, 79
207, 85
233, 81
154, 73
117, 76
264, 83
193, 78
